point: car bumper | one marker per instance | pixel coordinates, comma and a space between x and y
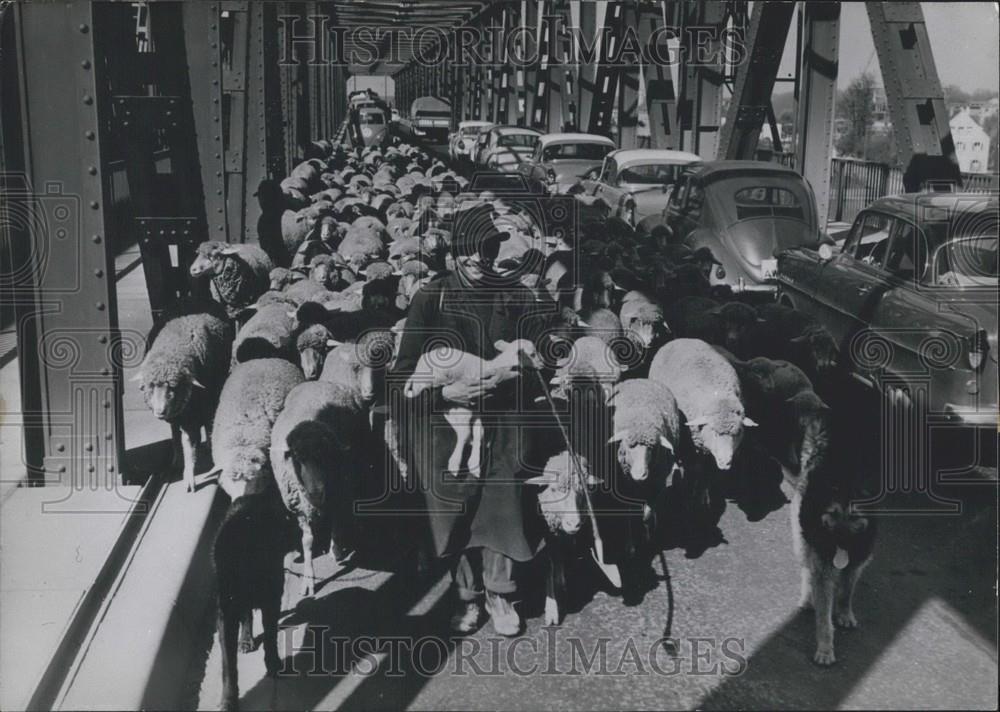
765, 288
983, 417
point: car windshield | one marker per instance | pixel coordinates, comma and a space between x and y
472, 130
968, 261
767, 201
650, 173
518, 140
582, 151
372, 118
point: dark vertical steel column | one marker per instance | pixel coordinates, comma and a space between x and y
532, 38
912, 88
256, 145
234, 17
71, 349
661, 98
817, 94
628, 87
606, 77
769, 24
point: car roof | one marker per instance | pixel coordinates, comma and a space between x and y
552, 138
628, 156
470, 124
714, 170
907, 204
516, 130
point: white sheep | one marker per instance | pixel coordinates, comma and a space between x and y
181, 378
251, 400
590, 360
708, 393
269, 333
311, 460
240, 273
646, 417
643, 322
444, 366
360, 366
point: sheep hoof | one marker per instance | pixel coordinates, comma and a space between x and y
307, 588
824, 656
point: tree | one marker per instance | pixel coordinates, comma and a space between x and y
856, 105
990, 126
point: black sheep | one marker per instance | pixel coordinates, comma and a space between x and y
249, 554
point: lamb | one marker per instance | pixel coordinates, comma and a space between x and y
181, 378
248, 556
708, 393
313, 343
251, 400
310, 456
444, 365
240, 273
646, 417
269, 333
562, 500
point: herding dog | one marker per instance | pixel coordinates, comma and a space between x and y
833, 544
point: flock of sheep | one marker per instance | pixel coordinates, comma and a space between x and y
286, 368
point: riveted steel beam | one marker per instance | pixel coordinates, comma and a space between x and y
608, 70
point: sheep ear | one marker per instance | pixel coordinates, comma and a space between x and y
591, 480
799, 339
228, 251
581, 322
761, 321
694, 422
291, 314
555, 381
748, 423
541, 480
666, 443
667, 326
332, 343
617, 436
196, 383
136, 377
501, 345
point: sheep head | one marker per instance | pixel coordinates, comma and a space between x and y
166, 388
721, 433
562, 498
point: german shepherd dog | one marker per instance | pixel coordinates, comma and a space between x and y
833, 544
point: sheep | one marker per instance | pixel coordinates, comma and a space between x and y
248, 556
360, 366
562, 500
702, 318
269, 333
360, 247
602, 323
297, 225
643, 322
646, 417
787, 333
310, 456
240, 273
251, 400
590, 361
281, 277
313, 343
181, 377
444, 366
412, 276
708, 393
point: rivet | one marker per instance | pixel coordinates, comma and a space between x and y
88, 100
96, 239
108, 436
107, 404
94, 204
62, 468
60, 447
90, 135
218, 192
89, 447
111, 468
90, 468
92, 170
105, 372
100, 306
102, 339
84, 29
98, 273
218, 174
218, 210
218, 155
85, 64
215, 82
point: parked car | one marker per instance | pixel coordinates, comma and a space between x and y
374, 127
745, 212
430, 118
911, 296
561, 159
634, 184
503, 148
462, 141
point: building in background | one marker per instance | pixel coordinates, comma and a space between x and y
972, 143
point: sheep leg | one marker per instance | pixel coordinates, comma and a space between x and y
475, 454
176, 450
308, 573
227, 625
555, 585
190, 437
269, 613
246, 632
845, 599
391, 436
823, 580
460, 421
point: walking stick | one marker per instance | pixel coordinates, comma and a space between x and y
609, 570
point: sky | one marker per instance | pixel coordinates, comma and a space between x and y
965, 37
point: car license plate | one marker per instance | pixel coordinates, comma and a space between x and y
769, 268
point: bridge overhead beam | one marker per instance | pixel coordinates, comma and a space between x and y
589, 18
532, 14
606, 77
551, 107
699, 111
817, 95
751, 101
912, 87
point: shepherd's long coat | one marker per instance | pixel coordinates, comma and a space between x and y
494, 510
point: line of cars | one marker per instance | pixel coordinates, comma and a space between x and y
910, 295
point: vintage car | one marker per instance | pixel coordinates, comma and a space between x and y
745, 212
503, 148
562, 159
911, 297
462, 141
374, 127
634, 184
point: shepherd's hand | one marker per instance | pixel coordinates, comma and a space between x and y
465, 393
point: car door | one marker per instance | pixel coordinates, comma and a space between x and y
850, 284
692, 202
